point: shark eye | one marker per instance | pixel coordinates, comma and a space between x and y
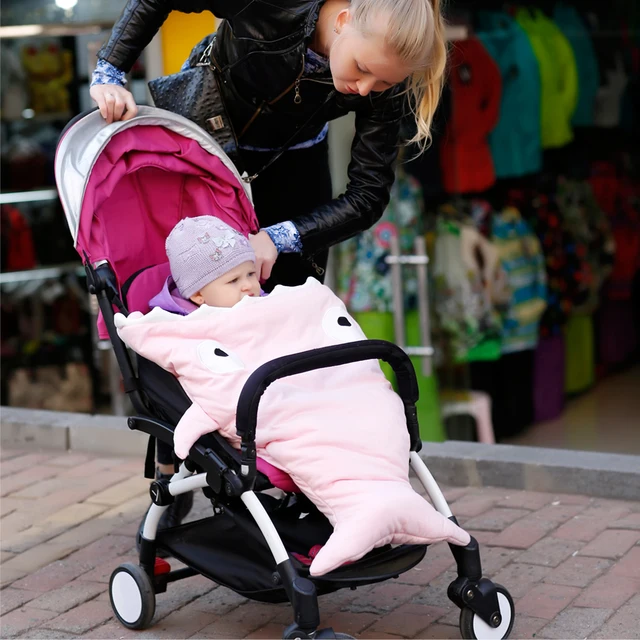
340, 326
218, 359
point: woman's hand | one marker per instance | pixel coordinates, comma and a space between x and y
266, 254
115, 103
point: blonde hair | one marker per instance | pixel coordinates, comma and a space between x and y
415, 33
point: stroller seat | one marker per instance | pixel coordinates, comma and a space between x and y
164, 391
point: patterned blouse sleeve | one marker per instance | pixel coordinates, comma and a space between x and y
285, 236
106, 73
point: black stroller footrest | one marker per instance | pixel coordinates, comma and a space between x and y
377, 566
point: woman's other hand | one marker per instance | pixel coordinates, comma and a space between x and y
115, 103
266, 254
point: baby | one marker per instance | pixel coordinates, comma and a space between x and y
211, 263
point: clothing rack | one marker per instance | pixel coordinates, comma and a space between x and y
419, 260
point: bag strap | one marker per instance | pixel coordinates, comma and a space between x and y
206, 59
289, 143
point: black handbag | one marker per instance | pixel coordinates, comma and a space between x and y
195, 94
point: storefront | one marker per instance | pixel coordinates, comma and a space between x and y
50, 357
530, 201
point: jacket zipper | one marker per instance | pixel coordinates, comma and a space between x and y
319, 270
298, 97
295, 86
259, 109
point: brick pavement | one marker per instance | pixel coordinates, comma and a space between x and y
572, 563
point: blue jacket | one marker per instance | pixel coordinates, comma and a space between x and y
572, 26
516, 140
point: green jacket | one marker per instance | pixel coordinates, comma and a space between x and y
558, 76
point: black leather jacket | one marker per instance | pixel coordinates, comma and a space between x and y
260, 45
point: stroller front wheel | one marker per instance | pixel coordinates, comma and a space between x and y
132, 596
473, 627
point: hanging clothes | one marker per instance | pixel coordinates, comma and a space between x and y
574, 29
18, 251
465, 156
522, 259
588, 224
567, 269
625, 223
605, 185
467, 279
608, 106
516, 139
364, 277
558, 77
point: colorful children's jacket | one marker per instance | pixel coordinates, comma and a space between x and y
469, 285
340, 433
364, 277
515, 141
587, 223
476, 87
522, 259
568, 272
558, 76
574, 29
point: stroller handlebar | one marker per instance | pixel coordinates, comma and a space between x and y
323, 358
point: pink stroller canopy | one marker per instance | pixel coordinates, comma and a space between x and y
124, 186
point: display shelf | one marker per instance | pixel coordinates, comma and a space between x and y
41, 273
39, 195
42, 118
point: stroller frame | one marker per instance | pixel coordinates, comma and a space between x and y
230, 479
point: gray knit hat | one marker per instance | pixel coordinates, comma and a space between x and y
202, 249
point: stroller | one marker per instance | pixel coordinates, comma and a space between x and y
123, 187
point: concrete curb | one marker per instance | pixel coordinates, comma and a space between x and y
603, 475
58, 430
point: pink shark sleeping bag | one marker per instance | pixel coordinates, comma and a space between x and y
340, 433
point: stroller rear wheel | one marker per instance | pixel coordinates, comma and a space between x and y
473, 627
132, 596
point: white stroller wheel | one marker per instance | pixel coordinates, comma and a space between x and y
132, 596
473, 627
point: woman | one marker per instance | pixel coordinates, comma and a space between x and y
288, 67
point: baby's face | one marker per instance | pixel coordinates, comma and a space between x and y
229, 289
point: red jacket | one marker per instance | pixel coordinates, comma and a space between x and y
17, 241
476, 89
